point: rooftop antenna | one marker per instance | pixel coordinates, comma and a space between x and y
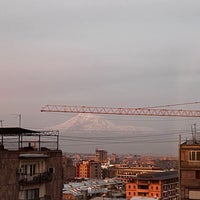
20, 119
194, 131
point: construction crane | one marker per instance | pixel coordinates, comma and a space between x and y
143, 111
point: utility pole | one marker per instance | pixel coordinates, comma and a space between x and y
20, 120
1, 122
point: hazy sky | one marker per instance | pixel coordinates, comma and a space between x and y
126, 53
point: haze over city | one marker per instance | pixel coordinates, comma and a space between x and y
101, 53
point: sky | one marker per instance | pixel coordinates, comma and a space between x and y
119, 53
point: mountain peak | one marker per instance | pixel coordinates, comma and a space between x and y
85, 122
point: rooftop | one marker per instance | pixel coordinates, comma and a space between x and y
16, 138
158, 175
10, 131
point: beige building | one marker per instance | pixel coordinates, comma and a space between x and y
189, 152
31, 168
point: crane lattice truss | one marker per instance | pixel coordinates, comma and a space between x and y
122, 111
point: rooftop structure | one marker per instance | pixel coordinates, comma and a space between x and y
14, 138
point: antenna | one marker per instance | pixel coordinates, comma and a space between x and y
19, 118
194, 133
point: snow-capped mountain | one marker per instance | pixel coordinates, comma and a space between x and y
91, 123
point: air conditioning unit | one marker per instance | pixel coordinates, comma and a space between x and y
51, 170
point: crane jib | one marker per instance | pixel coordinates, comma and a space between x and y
122, 111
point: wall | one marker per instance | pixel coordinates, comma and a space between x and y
8, 168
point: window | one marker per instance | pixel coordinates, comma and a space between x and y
32, 194
24, 167
32, 169
29, 169
143, 187
156, 187
194, 155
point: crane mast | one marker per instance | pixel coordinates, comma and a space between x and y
151, 111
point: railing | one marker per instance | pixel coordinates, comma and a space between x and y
27, 179
46, 197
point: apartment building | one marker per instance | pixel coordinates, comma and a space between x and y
189, 152
89, 169
30, 165
161, 185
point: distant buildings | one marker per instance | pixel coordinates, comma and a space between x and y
189, 152
30, 165
108, 188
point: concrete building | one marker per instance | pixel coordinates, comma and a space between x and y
30, 165
161, 185
89, 169
189, 152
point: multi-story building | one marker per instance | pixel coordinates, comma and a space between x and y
101, 155
161, 185
189, 152
89, 169
30, 166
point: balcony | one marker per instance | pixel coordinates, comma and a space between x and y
27, 179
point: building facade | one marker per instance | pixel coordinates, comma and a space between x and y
29, 171
189, 152
161, 185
